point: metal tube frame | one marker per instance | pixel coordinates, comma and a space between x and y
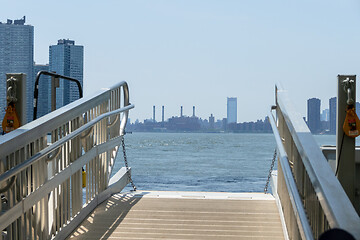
55, 75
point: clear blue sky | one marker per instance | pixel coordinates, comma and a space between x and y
199, 52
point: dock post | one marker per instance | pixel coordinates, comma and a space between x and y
345, 146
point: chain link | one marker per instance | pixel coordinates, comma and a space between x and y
270, 171
126, 163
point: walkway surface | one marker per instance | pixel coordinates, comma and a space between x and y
183, 215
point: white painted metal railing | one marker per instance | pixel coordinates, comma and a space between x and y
42, 163
312, 198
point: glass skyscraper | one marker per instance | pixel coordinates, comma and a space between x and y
17, 56
67, 59
231, 110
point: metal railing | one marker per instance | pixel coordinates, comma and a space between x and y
42, 166
312, 198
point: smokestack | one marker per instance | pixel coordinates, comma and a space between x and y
162, 117
193, 111
154, 113
181, 111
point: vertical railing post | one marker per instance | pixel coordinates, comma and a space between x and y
54, 84
345, 146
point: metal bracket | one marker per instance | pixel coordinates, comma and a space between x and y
11, 91
109, 125
349, 89
53, 155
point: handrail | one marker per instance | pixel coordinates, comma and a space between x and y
315, 180
13, 171
57, 117
42, 164
298, 208
36, 88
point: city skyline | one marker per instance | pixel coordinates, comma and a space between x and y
198, 53
319, 122
314, 111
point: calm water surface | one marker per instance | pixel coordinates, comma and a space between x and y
216, 162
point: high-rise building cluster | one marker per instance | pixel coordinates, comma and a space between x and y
17, 56
324, 122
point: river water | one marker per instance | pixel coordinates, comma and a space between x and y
213, 162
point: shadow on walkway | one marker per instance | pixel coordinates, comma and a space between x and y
103, 221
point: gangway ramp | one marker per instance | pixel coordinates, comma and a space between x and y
183, 215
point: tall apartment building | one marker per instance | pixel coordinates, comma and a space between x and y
332, 115
313, 115
67, 59
17, 56
44, 97
231, 110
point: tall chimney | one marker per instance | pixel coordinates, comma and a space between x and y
154, 113
193, 111
162, 117
181, 111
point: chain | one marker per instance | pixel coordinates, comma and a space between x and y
270, 171
126, 163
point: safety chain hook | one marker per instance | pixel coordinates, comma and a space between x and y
270, 171
126, 163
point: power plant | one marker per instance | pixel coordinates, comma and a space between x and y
192, 123
163, 113
175, 123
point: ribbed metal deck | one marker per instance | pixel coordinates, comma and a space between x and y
183, 215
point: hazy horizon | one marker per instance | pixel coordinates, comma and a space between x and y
198, 53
